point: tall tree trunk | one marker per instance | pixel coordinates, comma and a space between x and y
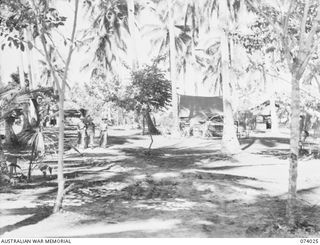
264, 76
297, 66
273, 109
31, 161
21, 72
132, 30
1, 71
173, 68
23, 84
29, 54
268, 86
143, 124
193, 43
61, 181
230, 143
294, 149
109, 111
273, 115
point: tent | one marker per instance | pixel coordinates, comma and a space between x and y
264, 108
199, 106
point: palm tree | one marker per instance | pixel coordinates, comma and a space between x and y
207, 58
173, 67
132, 31
1, 74
169, 41
105, 41
213, 52
230, 143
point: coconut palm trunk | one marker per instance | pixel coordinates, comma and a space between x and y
230, 143
273, 114
273, 109
172, 50
1, 71
21, 72
29, 54
131, 24
23, 86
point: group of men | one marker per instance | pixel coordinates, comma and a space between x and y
86, 132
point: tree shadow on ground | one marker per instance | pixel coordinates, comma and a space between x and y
308, 190
79, 185
282, 154
123, 139
265, 141
174, 158
39, 213
121, 197
117, 140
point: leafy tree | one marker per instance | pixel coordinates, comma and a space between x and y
61, 85
169, 40
296, 25
99, 96
149, 91
43, 18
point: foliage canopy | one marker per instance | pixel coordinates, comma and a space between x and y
149, 89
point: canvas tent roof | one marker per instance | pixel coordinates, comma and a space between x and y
199, 106
263, 108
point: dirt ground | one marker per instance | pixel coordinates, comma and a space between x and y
184, 188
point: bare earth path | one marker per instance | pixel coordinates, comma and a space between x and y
185, 188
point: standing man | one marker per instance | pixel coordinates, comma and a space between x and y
82, 133
90, 130
104, 133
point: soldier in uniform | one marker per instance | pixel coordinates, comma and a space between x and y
90, 130
104, 133
82, 134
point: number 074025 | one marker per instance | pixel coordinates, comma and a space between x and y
309, 240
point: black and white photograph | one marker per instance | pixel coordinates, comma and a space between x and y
159, 119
